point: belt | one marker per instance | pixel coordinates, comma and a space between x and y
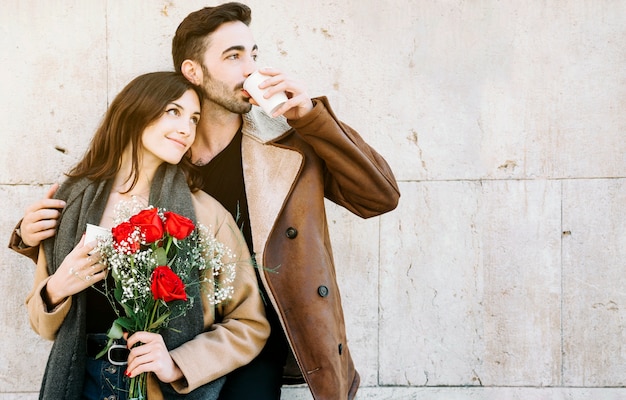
117, 353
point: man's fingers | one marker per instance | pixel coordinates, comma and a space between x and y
43, 214
42, 235
52, 191
48, 202
45, 204
34, 232
40, 220
48, 214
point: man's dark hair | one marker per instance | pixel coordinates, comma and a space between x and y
190, 40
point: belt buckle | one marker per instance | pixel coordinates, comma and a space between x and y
118, 354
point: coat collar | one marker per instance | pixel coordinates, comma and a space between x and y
269, 171
261, 126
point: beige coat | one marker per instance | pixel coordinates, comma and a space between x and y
225, 346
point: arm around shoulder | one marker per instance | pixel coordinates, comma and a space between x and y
17, 244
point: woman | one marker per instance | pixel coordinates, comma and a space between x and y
146, 131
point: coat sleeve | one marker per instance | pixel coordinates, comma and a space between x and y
16, 244
45, 322
357, 177
240, 330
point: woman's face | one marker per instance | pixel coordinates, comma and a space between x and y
169, 137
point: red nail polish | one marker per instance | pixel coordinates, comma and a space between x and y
127, 373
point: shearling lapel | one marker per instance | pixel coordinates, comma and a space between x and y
269, 173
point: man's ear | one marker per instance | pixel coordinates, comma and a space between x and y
192, 71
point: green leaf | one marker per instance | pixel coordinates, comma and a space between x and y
106, 348
172, 260
116, 331
126, 323
117, 293
160, 256
156, 324
128, 310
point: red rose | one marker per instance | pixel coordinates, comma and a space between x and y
166, 285
149, 223
178, 226
123, 238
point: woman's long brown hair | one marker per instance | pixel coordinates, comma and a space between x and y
139, 104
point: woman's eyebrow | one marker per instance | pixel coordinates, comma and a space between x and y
182, 108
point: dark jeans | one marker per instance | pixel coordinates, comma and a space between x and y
262, 378
104, 380
259, 380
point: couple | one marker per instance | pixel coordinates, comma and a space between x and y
271, 175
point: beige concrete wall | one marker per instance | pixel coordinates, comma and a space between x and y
500, 275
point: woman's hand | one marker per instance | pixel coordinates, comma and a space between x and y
149, 354
40, 219
77, 272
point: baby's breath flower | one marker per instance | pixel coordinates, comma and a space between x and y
199, 259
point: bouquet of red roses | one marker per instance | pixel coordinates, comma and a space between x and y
153, 257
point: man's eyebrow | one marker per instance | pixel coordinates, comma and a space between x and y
239, 48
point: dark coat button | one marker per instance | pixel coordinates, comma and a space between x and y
291, 233
322, 291
340, 348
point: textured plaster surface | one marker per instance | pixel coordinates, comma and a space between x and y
500, 274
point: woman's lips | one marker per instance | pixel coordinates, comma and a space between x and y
179, 142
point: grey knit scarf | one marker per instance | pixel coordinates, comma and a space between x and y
85, 202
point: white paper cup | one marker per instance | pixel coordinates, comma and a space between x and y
251, 85
94, 232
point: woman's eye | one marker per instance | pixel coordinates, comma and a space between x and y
195, 120
173, 111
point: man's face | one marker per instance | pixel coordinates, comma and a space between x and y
228, 60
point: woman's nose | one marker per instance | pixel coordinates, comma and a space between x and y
185, 127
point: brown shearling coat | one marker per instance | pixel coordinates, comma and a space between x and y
288, 171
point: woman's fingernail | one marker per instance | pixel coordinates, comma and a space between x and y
127, 373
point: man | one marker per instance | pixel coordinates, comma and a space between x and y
272, 174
